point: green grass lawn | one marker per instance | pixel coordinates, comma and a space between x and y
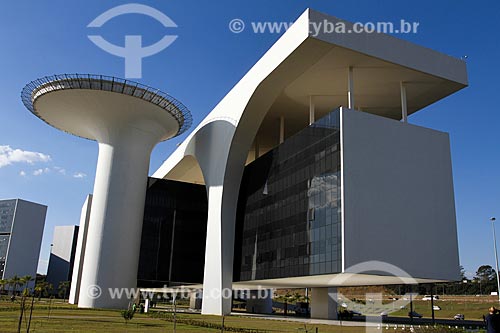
68, 318
472, 307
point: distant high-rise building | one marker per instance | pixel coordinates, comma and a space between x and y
80, 251
21, 230
62, 254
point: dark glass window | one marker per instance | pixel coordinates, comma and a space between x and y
288, 219
4, 244
7, 208
173, 234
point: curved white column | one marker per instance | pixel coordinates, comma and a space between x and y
115, 226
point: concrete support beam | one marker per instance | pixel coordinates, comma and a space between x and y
350, 88
282, 129
312, 110
195, 300
404, 106
323, 303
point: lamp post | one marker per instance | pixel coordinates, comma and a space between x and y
492, 219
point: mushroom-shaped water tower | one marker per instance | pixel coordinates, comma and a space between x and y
127, 120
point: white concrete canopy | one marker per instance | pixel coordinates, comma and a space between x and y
127, 120
279, 86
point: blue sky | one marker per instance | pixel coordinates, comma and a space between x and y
41, 38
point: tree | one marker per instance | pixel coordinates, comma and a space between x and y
25, 280
462, 273
128, 315
3, 283
63, 289
485, 274
14, 282
486, 278
42, 289
25, 293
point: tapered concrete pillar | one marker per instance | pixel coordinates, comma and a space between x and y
127, 120
323, 303
218, 281
112, 251
195, 300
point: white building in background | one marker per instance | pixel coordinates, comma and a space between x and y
21, 231
80, 251
62, 255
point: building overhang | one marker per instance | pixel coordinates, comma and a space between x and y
314, 281
380, 64
332, 280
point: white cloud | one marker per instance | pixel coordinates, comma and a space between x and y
79, 175
9, 156
39, 172
62, 171
22, 173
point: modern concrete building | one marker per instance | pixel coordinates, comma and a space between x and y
21, 230
127, 119
313, 171
311, 174
62, 255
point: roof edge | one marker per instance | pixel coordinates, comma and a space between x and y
389, 48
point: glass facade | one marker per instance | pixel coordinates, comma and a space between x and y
7, 210
173, 234
289, 217
4, 244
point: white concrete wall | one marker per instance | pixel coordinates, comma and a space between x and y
80, 251
25, 240
398, 201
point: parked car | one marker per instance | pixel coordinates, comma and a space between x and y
459, 316
413, 314
429, 297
